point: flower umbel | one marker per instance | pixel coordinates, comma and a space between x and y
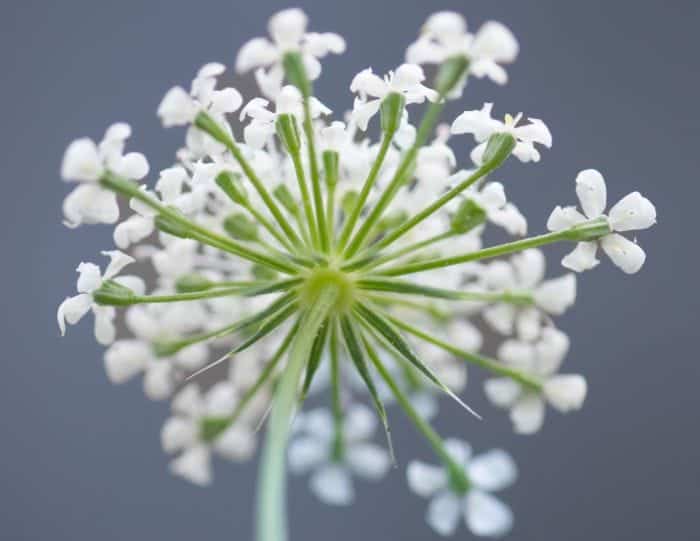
296, 255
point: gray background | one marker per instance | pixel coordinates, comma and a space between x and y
616, 81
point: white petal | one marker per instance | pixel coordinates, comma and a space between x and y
236, 443
592, 193
564, 218
194, 465
582, 257
305, 453
360, 423
177, 108
256, 134
443, 513
501, 317
487, 516
178, 433
320, 44
226, 100
425, 51
188, 401
528, 323
477, 122
464, 335
72, 310
510, 219
270, 81
255, 53
362, 112
118, 260
530, 267
459, 450
366, 83
133, 165
368, 460
551, 350
495, 41
105, 332
318, 423
493, 470
526, 152
445, 23
332, 485
126, 358
287, 27
192, 357
557, 295
518, 354
534, 132
566, 392
633, 212
90, 204
502, 392
425, 479
81, 161
627, 255
528, 414
134, 229
220, 400
89, 277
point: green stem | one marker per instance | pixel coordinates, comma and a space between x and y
269, 227
197, 232
272, 516
315, 177
488, 364
208, 125
370, 261
364, 194
336, 394
426, 125
436, 205
305, 197
486, 253
456, 471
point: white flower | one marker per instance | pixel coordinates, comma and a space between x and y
541, 361
90, 279
85, 162
524, 274
288, 101
483, 514
312, 449
179, 108
480, 124
183, 432
406, 80
444, 35
288, 31
632, 213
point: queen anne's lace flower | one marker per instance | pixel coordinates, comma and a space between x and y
371, 90
90, 279
480, 124
288, 31
632, 213
313, 259
313, 450
540, 360
483, 514
444, 36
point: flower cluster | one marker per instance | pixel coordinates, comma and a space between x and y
295, 254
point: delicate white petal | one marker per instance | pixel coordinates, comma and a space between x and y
236, 443
624, 253
459, 450
368, 460
496, 42
130, 231
366, 83
360, 423
535, 131
528, 323
564, 218
592, 193
226, 100
126, 358
177, 108
287, 27
477, 122
159, 381
178, 433
530, 267
318, 423
557, 295
90, 204
566, 392
501, 317
81, 162
133, 165
581, 258
320, 44
89, 277
332, 485
464, 335
118, 260
493, 470
72, 310
526, 152
305, 453
633, 212
551, 350
220, 400
443, 513
502, 392
518, 354
528, 414
194, 465
255, 53
188, 401
105, 332
510, 219
487, 516
425, 479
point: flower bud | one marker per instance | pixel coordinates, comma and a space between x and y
288, 132
192, 282
392, 220
232, 186
110, 293
468, 216
498, 148
240, 227
391, 112
331, 160
349, 201
450, 73
286, 199
296, 73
